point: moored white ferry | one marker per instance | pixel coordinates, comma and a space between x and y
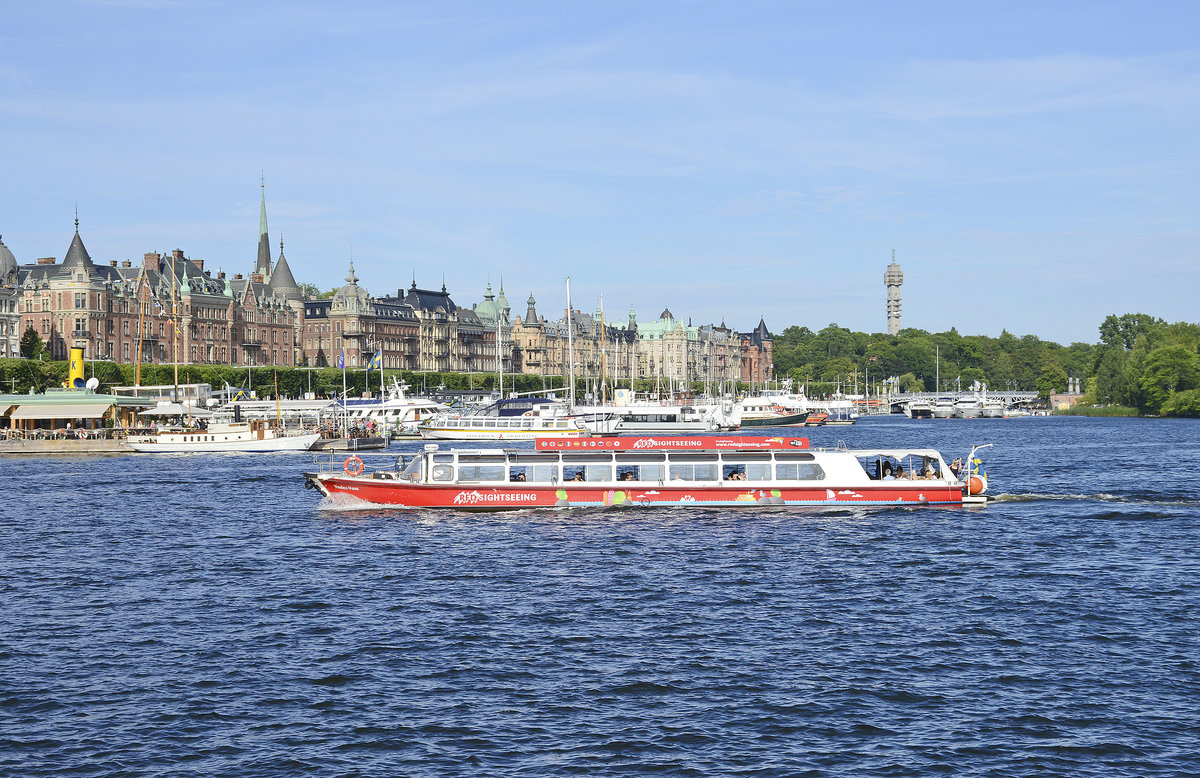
735, 471
255, 435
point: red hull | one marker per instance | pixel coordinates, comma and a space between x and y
391, 492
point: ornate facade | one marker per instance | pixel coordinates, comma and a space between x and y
170, 308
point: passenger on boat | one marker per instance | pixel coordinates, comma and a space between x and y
518, 477
578, 476
888, 474
956, 467
900, 472
626, 476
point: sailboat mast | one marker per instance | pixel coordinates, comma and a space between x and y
141, 344
603, 358
570, 350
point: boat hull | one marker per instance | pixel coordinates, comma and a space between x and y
394, 492
795, 419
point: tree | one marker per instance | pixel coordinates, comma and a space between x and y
31, 343
1167, 370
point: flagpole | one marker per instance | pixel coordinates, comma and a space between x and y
345, 399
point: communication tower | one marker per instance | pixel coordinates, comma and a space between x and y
892, 280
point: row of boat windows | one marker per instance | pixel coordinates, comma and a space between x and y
505, 424
654, 473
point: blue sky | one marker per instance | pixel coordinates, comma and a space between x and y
1034, 165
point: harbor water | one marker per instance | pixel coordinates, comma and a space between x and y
200, 615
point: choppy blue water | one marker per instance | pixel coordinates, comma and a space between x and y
202, 615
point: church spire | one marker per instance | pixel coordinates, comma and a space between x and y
263, 265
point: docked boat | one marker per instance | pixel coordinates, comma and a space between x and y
943, 408
396, 414
515, 419
658, 418
255, 436
969, 407
918, 409
730, 471
773, 409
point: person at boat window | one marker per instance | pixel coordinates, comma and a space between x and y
900, 472
578, 476
626, 476
888, 473
518, 477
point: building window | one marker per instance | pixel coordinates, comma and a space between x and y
81, 299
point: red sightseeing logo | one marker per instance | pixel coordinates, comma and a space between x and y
479, 498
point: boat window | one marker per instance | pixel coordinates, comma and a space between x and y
480, 472
410, 469
641, 458
799, 471
574, 473
749, 456
793, 456
694, 472
443, 473
543, 474
532, 459
654, 473
479, 458
518, 474
599, 472
675, 457
734, 472
443, 457
756, 471
598, 456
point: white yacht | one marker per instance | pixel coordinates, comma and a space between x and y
251, 436
395, 414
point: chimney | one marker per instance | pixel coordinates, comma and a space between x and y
221, 275
177, 253
112, 263
199, 263
153, 262
257, 278
45, 260
237, 276
127, 263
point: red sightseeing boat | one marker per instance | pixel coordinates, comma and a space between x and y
733, 471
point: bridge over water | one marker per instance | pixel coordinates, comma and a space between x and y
898, 401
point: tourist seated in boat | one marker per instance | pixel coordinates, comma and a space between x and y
888, 473
900, 472
578, 476
517, 477
735, 473
626, 475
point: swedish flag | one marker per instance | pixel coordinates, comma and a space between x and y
376, 361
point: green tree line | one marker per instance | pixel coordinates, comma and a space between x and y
1140, 361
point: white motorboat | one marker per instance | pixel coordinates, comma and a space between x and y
395, 414
250, 436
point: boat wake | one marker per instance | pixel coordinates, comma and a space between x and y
345, 502
1125, 499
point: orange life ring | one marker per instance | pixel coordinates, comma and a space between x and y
353, 466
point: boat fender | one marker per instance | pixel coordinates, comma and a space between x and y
976, 484
353, 466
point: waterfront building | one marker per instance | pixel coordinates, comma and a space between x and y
170, 309
10, 316
758, 355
